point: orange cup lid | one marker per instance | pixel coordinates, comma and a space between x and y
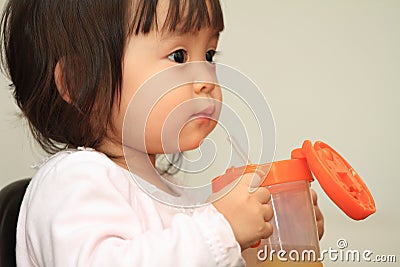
335, 175
287, 171
338, 179
272, 173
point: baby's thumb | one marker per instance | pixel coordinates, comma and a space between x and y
253, 180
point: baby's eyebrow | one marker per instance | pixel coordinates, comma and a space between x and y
216, 35
176, 34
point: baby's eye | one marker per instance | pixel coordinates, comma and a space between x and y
210, 55
179, 56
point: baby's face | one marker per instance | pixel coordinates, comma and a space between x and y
175, 113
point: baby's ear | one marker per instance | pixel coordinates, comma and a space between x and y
60, 82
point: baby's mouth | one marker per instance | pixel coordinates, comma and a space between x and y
207, 113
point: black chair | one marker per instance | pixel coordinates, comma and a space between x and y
10, 201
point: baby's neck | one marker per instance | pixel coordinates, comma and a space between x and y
137, 162
143, 165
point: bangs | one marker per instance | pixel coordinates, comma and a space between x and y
183, 16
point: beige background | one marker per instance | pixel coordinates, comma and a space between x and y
330, 71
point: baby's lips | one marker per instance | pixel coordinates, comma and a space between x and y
207, 113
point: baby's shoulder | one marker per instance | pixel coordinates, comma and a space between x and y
81, 166
82, 159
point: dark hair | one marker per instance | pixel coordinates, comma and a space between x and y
87, 39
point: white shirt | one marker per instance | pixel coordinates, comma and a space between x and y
81, 209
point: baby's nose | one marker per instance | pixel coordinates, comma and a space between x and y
205, 78
203, 87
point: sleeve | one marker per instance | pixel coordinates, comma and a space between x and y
77, 217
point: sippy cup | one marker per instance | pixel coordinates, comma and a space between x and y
294, 241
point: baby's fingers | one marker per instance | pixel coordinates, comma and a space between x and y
314, 197
262, 195
318, 214
268, 212
265, 231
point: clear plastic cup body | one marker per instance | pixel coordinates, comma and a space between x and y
294, 241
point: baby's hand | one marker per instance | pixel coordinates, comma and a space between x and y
318, 214
247, 213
